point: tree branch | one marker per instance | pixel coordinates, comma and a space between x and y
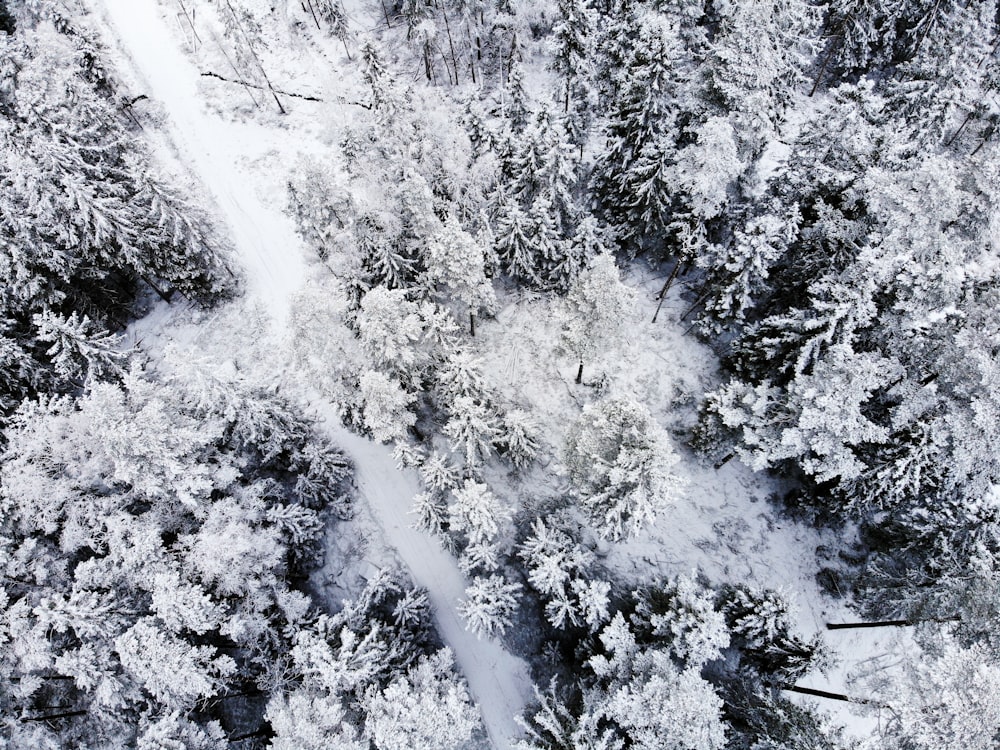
210, 74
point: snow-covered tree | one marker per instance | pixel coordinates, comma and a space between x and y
402, 336
310, 722
482, 519
596, 311
632, 178
519, 438
620, 463
456, 263
652, 703
760, 623
706, 171
559, 568
473, 430
490, 605
949, 699
429, 707
176, 673
682, 614
385, 407
759, 53
573, 41
77, 349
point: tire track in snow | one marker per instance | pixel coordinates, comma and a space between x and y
270, 249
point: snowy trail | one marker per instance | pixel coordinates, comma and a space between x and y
499, 681
212, 147
267, 244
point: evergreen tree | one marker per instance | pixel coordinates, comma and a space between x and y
619, 462
597, 310
573, 41
631, 180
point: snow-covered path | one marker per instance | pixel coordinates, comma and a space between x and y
264, 237
271, 252
499, 681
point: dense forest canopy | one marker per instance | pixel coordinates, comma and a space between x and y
822, 180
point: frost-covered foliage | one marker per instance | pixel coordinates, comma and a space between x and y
560, 568
481, 518
652, 702
370, 676
859, 293
947, 699
149, 530
597, 311
86, 219
620, 463
490, 605
385, 407
426, 708
684, 665
760, 625
682, 613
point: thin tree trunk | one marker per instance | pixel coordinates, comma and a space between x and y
263, 732
53, 717
236, 70
966, 121
694, 307
888, 623
666, 287
260, 66
210, 74
724, 460
579, 373
451, 45
386, 13
831, 696
190, 21
472, 43
472, 324
826, 61
313, 11
427, 62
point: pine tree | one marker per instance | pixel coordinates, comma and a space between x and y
456, 263
947, 699
428, 708
620, 465
573, 38
77, 350
478, 514
386, 409
472, 430
630, 177
597, 310
490, 605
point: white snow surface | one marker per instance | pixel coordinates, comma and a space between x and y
266, 243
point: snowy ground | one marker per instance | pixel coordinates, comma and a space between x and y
724, 527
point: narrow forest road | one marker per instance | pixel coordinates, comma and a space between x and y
271, 252
210, 146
